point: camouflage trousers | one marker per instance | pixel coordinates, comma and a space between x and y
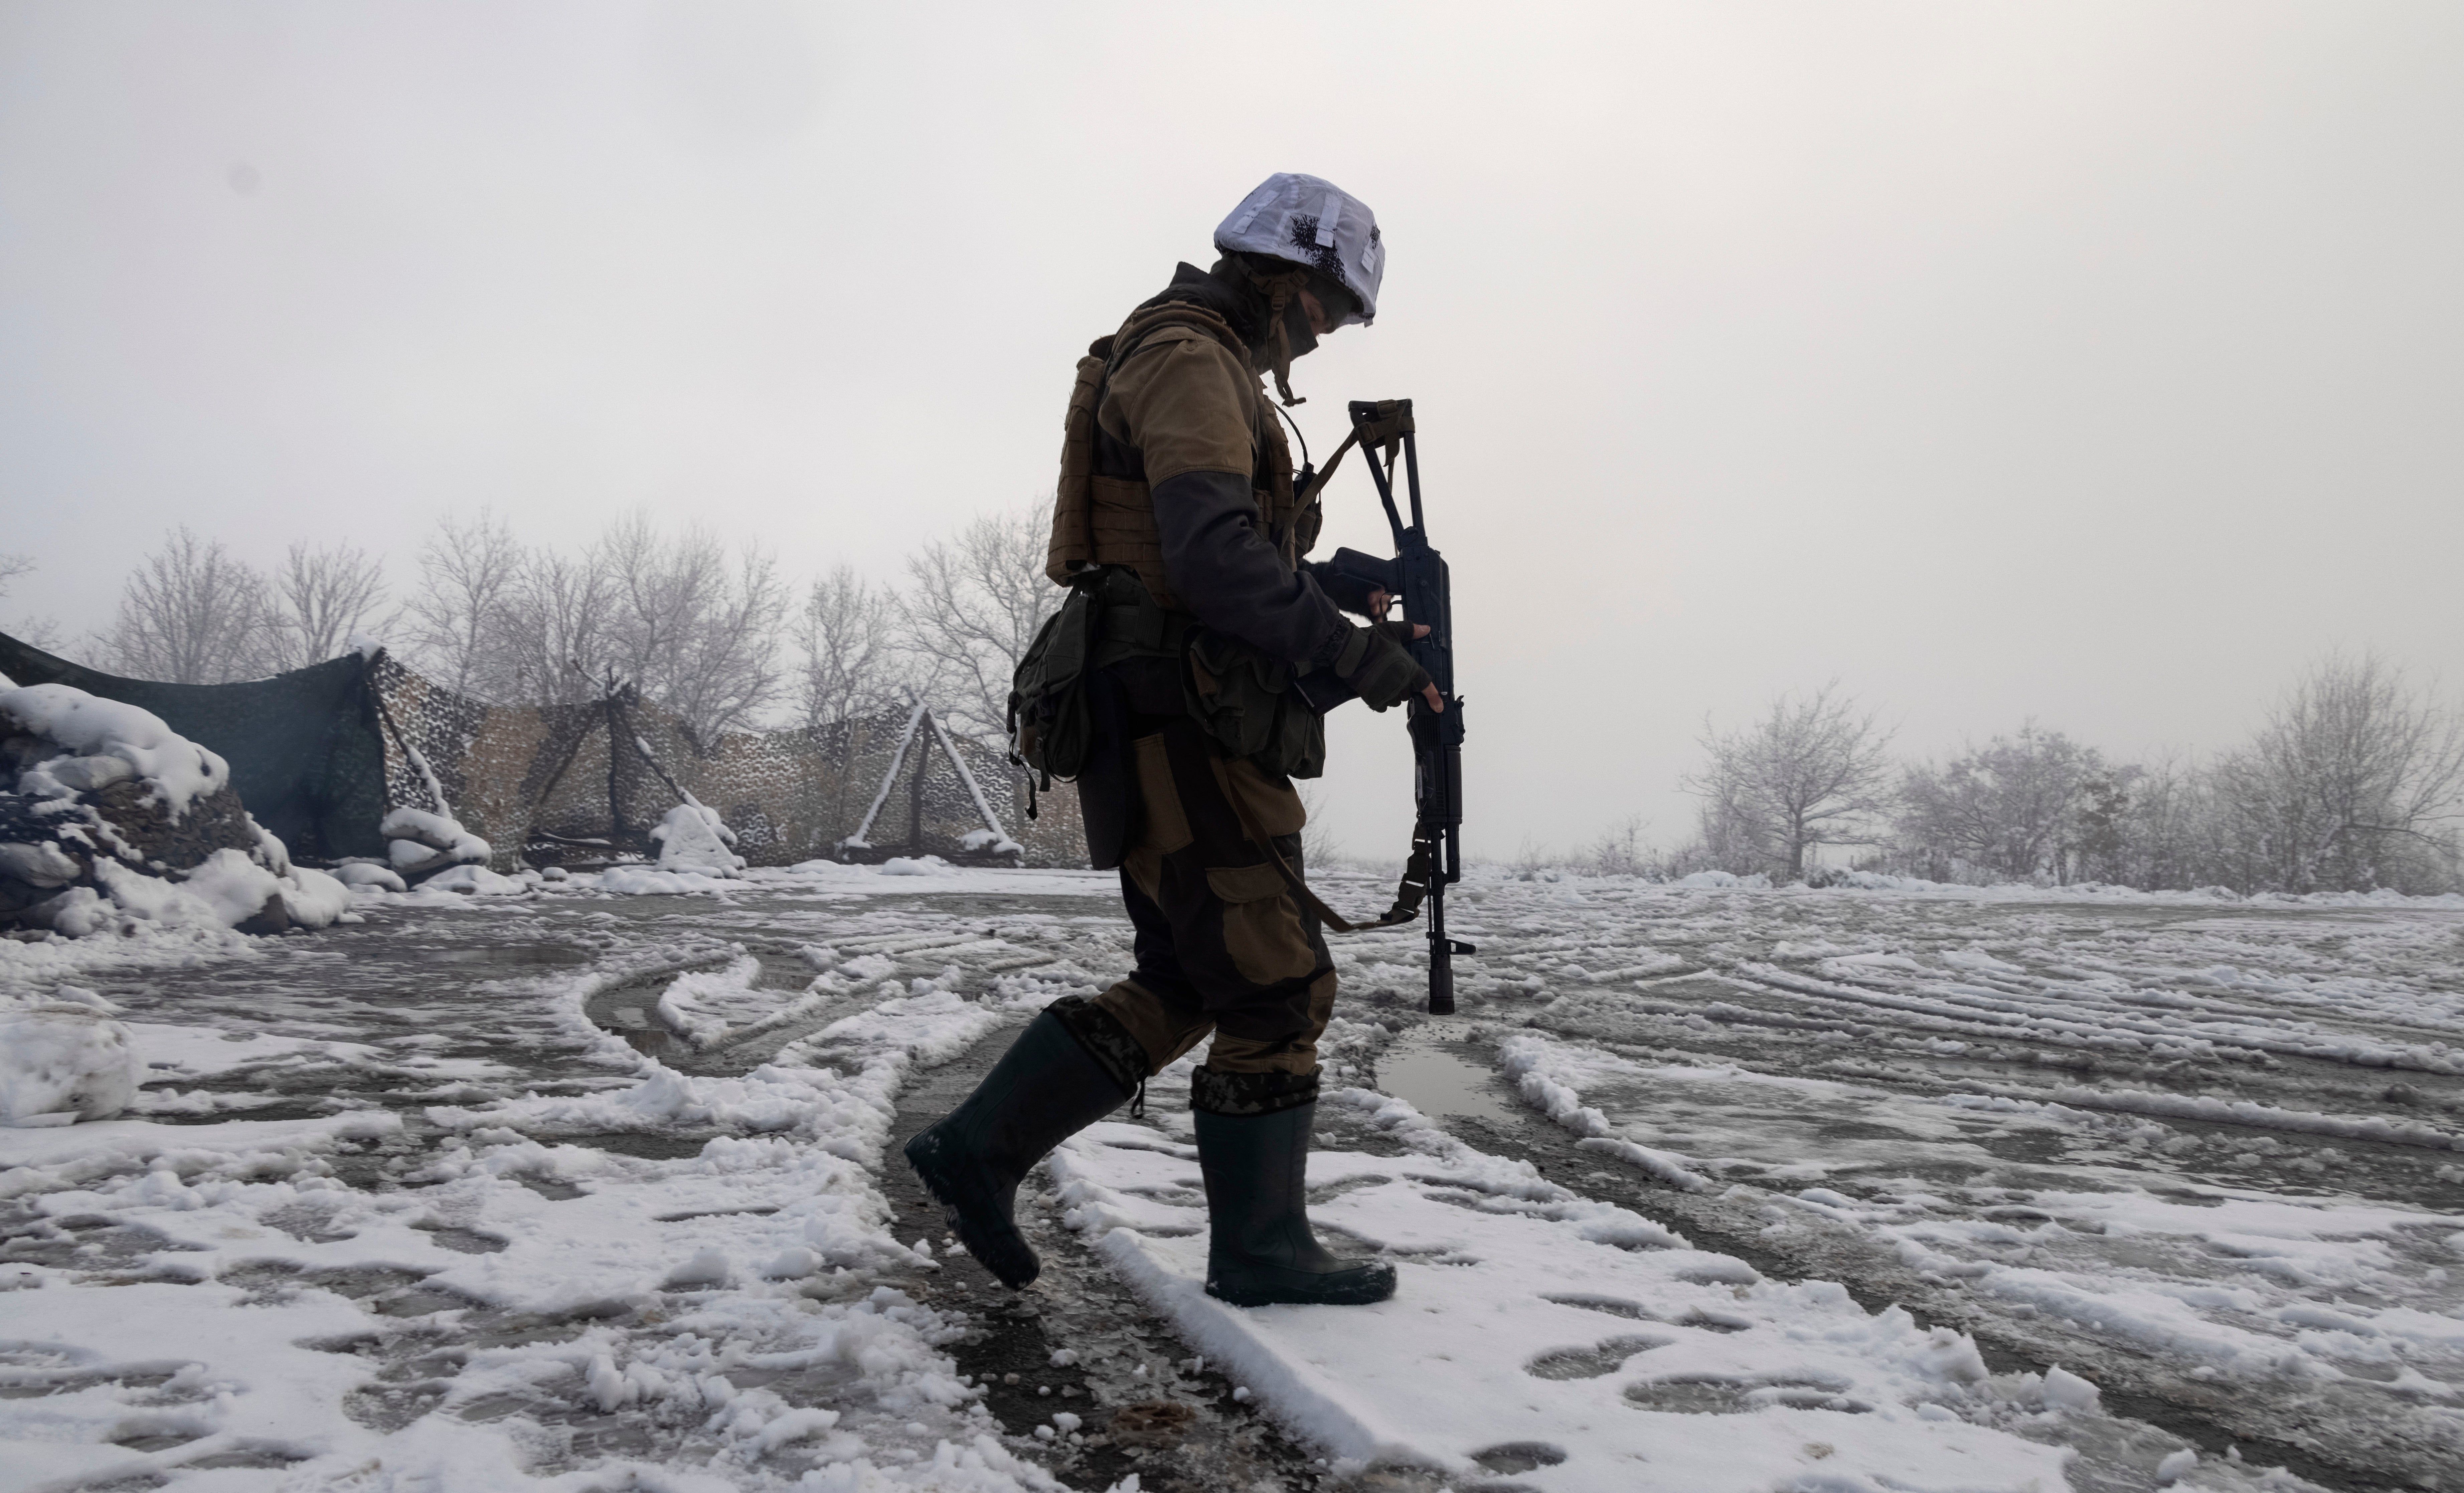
1223, 945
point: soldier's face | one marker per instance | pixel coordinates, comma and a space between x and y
1320, 322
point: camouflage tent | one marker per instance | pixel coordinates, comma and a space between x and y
320, 754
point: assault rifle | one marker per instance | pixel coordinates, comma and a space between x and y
1416, 576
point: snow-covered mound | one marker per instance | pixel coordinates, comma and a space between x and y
475, 881
1704, 881
692, 838
63, 1059
89, 743
108, 819
360, 871
420, 844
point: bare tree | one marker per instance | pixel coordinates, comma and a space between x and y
2175, 834
698, 634
1619, 850
1320, 848
2009, 808
2103, 817
456, 618
659, 589
1729, 833
318, 599
974, 606
43, 632
190, 614
849, 635
728, 671
2351, 785
693, 627
1809, 773
557, 644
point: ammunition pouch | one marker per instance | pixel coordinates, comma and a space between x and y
1109, 617
1051, 727
1249, 705
1252, 705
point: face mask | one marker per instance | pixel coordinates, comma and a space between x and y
1296, 326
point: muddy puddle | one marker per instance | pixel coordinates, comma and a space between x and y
1444, 1074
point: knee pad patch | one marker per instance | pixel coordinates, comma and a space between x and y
1245, 1094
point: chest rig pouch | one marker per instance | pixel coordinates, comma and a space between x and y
1248, 704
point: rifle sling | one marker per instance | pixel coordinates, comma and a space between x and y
1317, 484
1388, 432
1420, 873
1421, 867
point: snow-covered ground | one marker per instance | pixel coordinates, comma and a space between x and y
579, 1185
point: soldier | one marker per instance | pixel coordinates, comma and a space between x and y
1218, 649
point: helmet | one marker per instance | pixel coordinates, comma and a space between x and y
1310, 220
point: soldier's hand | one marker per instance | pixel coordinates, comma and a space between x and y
1379, 599
1428, 691
1373, 663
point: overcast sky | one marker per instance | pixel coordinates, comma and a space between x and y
2103, 364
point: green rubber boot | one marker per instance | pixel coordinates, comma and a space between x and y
1259, 1248
1044, 1090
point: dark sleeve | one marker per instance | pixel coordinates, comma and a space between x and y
1223, 570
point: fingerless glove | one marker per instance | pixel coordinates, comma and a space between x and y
1373, 663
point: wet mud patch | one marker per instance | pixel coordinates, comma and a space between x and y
462, 1240
1519, 1456
81, 1241
646, 1145
1710, 1395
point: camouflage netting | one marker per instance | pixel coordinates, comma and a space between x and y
320, 755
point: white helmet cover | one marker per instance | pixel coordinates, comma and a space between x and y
1310, 220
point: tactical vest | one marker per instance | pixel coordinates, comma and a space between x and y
1104, 533
1109, 521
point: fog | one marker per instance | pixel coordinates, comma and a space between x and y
2091, 362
